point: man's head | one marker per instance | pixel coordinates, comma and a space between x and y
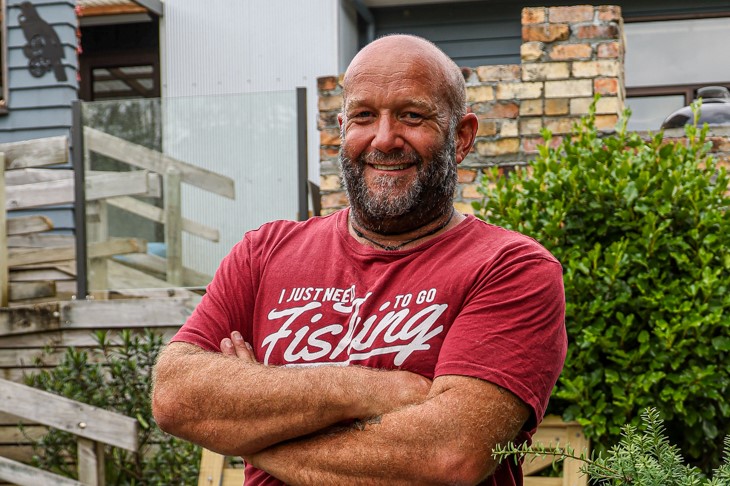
404, 128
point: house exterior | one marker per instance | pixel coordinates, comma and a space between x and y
234, 57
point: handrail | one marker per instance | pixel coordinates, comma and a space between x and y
62, 413
93, 426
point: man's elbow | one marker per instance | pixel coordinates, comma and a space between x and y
163, 409
464, 467
165, 397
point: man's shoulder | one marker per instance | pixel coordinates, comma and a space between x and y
282, 229
485, 235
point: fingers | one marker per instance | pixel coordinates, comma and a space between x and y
236, 347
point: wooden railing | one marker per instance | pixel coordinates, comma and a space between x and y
173, 172
93, 427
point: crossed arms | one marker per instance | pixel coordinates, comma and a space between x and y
401, 428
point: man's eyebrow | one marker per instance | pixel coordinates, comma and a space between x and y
424, 105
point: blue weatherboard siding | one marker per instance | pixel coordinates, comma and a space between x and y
39, 106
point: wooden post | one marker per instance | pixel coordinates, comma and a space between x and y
97, 230
90, 462
173, 226
4, 271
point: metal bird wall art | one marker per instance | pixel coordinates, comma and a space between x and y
43, 49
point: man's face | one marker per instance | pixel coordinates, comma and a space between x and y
397, 151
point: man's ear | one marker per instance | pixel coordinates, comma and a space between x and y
466, 132
340, 119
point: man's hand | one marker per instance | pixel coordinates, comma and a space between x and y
236, 347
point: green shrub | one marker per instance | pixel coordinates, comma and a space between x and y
121, 382
643, 457
642, 230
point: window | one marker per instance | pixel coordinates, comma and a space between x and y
666, 61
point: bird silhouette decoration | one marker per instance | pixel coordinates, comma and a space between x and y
44, 49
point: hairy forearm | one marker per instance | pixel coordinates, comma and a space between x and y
237, 407
447, 439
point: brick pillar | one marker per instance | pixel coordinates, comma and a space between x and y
568, 55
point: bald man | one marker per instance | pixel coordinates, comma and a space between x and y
394, 342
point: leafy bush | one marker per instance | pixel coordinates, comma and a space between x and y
120, 382
642, 229
642, 457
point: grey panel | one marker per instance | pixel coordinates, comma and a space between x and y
20, 135
62, 217
66, 33
20, 78
40, 118
56, 96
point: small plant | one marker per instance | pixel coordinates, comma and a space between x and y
643, 457
121, 381
642, 228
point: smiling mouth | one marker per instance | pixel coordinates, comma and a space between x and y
391, 167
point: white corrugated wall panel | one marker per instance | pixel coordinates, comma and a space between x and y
242, 46
229, 47
250, 138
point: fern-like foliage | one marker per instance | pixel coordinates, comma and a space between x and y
643, 457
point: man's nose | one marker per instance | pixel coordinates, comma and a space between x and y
387, 135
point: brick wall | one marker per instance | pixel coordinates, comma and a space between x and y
568, 54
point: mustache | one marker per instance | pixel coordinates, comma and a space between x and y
399, 157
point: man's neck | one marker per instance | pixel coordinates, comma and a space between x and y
406, 239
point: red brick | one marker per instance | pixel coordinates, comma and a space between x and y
606, 86
330, 103
557, 106
606, 122
467, 175
487, 128
328, 153
578, 13
471, 191
545, 32
529, 144
501, 110
533, 15
609, 50
562, 52
499, 72
329, 137
334, 200
327, 120
326, 83
609, 31
609, 13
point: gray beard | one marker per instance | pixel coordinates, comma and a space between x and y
387, 208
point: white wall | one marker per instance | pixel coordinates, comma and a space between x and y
229, 48
243, 46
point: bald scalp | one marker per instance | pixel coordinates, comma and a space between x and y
410, 48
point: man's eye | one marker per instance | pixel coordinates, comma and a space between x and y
412, 116
363, 114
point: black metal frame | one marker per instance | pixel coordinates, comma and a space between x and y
302, 156
77, 158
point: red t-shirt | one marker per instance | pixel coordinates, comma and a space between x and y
477, 300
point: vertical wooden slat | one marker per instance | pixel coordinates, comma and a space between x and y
97, 230
4, 272
91, 462
173, 226
572, 475
211, 468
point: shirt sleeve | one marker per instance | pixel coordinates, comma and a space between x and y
511, 331
227, 304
